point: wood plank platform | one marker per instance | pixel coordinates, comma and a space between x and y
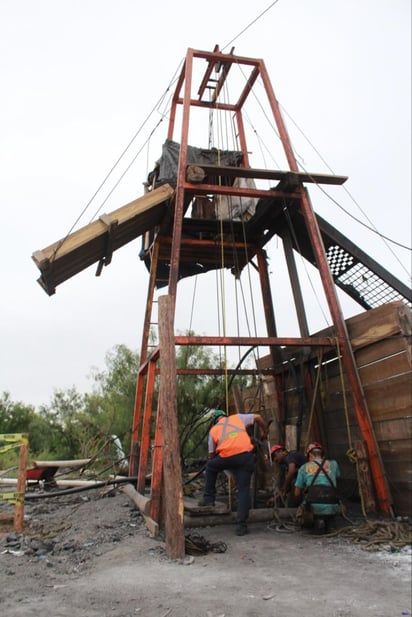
193, 509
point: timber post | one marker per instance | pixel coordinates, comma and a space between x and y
172, 474
21, 485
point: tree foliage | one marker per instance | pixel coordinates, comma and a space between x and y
196, 396
75, 425
113, 397
17, 417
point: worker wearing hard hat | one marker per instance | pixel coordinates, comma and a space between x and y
289, 463
230, 448
316, 483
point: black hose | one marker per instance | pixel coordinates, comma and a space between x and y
239, 364
199, 473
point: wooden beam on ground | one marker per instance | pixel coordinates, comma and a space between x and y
141, 502
81, 462
143, 505
192, 508
258, 515
172, 473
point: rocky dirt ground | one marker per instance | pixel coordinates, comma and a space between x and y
89, 554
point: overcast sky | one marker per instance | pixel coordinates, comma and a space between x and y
78, 79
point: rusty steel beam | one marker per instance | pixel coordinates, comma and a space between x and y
342, 340
180, 188
206, 77
263, 341
358, 396
296, 288
268, 303
145, 437
224, 371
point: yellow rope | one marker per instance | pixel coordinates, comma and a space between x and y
376, 535
315, 391
345, 403
222, 287
351, 453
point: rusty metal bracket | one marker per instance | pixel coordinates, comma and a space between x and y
111, 225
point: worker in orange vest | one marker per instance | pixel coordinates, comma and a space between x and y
231, 448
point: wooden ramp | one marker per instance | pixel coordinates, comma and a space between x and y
96, 242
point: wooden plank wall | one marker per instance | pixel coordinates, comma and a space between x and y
381, 341
382, 349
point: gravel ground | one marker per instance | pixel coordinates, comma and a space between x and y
89, 554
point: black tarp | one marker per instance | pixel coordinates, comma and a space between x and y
168, 163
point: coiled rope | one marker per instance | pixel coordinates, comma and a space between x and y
377, 535
195, 544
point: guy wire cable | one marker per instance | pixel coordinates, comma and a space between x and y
301, 165
159, 101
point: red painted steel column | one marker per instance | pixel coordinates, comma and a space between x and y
137, 414
270, 325
180, 191
267, 298
358, 397
147, 416
157, 470
242, 138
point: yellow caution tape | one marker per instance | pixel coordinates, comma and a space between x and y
12, 497
7, 448
22, 437
14, 439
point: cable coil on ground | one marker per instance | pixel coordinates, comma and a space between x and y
375, 535
195, 544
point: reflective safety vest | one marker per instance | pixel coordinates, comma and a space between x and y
231, 437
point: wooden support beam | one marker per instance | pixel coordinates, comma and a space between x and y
172, 473
259, 515
364, 477
197, 173
21, 485
97, 241
111, 225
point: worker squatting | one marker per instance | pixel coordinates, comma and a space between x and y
308, 481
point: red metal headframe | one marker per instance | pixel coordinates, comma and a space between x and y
221, 64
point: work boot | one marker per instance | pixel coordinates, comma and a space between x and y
330, 524
241, 529
319, 527
205, 501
